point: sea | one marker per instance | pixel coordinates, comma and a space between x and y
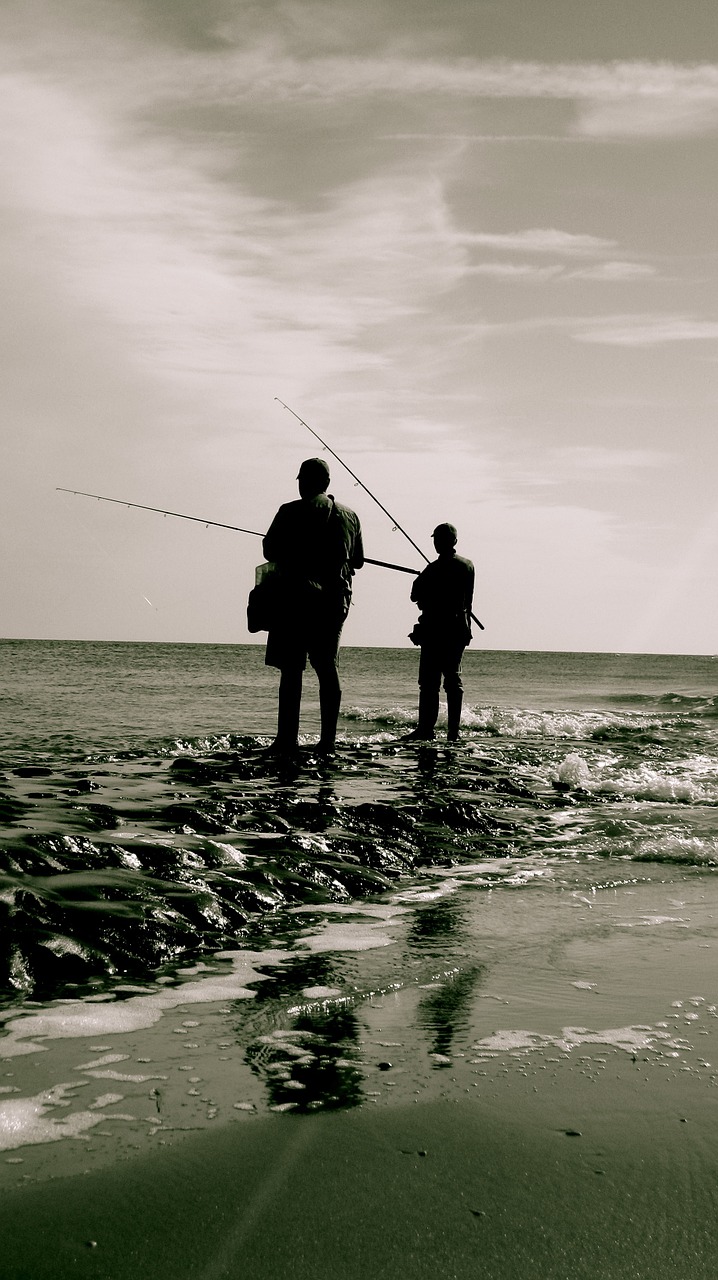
154, 860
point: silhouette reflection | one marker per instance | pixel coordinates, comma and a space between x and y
436, 922
445, 1011
312, 1066
439, 931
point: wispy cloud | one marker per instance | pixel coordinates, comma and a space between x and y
647, 331
611, 99
199, 217
529, 272
592, 458
205, 286
615, 272
250, 61
540, 240
677, 114
276, 73
612, 330
519, 271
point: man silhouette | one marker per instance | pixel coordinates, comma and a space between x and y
316, 545
444, 592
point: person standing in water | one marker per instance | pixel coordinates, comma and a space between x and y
316, 546
444, 592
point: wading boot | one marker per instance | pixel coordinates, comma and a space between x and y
428, 715
330, 700
453, 711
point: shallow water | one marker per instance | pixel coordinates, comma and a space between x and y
144, 833
142, 825
506, 974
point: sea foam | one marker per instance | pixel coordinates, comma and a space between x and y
643, 783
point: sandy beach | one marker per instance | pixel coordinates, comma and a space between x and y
498, 1189
561, 1151
417, 1012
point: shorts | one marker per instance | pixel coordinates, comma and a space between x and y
439, 660
289, 649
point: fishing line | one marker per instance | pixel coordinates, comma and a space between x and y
368, 491
178, 515
354, 477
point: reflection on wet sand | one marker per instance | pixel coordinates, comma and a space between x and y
313, 1066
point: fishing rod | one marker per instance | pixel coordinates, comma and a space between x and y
178, 515
368, 491
354, 477
79, 493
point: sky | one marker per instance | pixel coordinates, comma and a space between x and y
472, 244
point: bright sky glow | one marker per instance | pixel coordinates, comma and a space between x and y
473, 245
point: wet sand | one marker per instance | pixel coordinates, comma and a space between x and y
561, 1183
552, 1162
492, 1007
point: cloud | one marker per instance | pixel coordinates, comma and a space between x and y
611, 330
648, 117
540, 240
613, 99
267, 57
593, 458
206, 293
277, 74
606, 272
516, 271
648, 331
614, 272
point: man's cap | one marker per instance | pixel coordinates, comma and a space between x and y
445, 531
316, 468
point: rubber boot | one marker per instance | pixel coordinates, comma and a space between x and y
428, 715
330, 700
289, 703
454, 702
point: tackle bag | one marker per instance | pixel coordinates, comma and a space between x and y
264, 600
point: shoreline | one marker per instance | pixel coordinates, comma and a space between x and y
556, 1152
499, 1190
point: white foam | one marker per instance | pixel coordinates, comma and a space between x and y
376, 910
75, 1019
643, 783
630, 1039
108, 1061
650, 921
515, 722
428, 895
26, 1121
679, 848
125, 1079
574, 772
381, 715
347, 937
493, 873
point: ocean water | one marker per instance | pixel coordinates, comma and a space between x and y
151, 857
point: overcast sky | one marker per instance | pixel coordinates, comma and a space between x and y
473, 244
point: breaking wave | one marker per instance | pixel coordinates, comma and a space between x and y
517, 722
695, 783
